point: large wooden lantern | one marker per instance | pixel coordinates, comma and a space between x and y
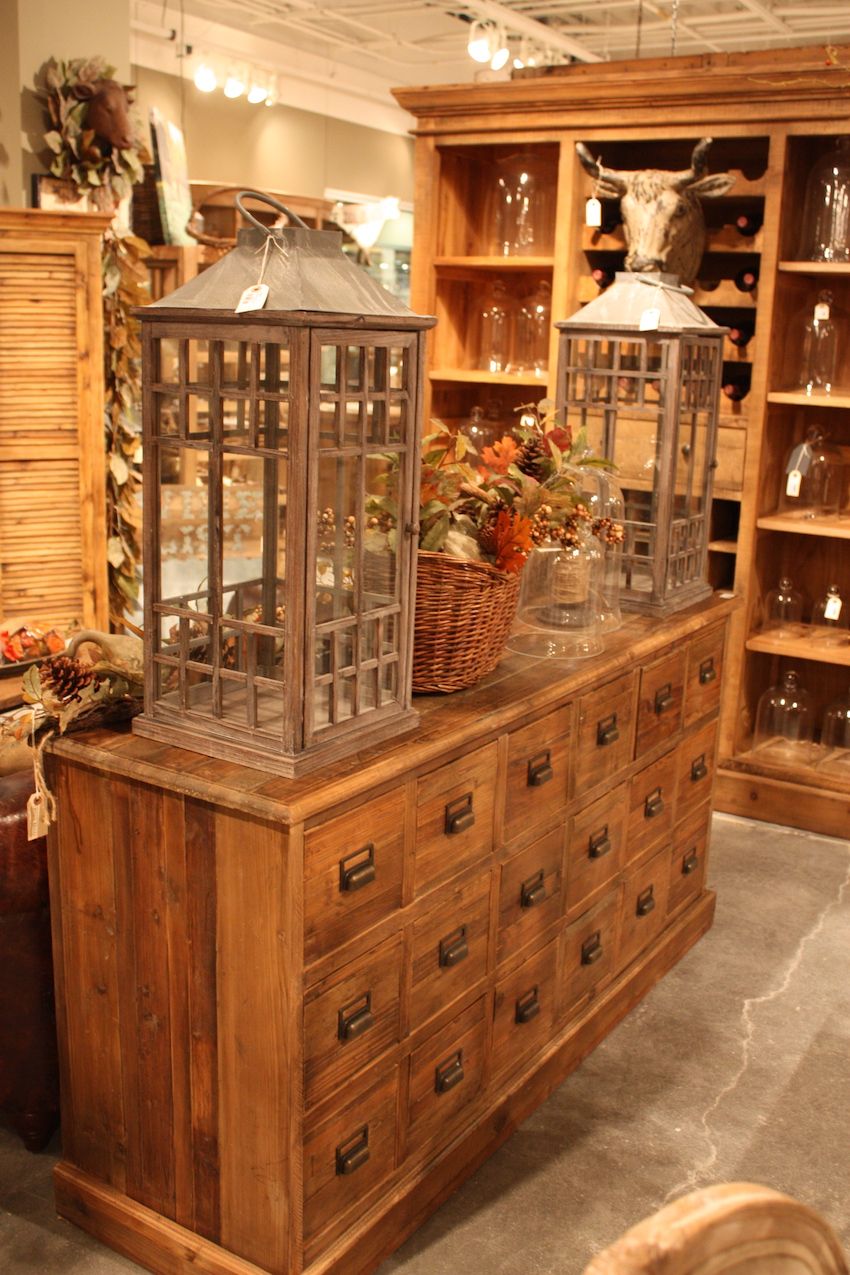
639, 371
280, 497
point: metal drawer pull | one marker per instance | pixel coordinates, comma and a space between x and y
527, 1007
352, 1155
699, 770
454, 948
355, 876
599, 844
690, 863
664, 698
540, 770
607, 731
591, 949
355, 1019
653, 805
645, 902
459, 815
449, 1073
533, 891
707, 671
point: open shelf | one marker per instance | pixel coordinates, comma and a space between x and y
808, 646
474, 376
755, 761
719, 239
831, 527
799, 399
816, 267
495, 263
723, 546
725, 296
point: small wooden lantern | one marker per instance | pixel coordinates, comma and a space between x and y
639, 370
280, 498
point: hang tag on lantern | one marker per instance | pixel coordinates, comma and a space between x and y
821, 312
650, 319
253, 298
832, 610
37, 820
792, 486
593, 212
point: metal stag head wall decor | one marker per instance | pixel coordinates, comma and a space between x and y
662, 214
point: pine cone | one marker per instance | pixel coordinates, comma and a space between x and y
533, 456
65, 678
487, 537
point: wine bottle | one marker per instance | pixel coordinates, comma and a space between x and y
735, 391
748, 224
610, 220
747, 280
741, 335
736, 382
602, 277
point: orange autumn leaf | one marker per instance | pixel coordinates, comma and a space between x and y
513, 541
502, 454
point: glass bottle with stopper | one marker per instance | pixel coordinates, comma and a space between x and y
785, 721
783, 610
494, 329
820, 348
531, 337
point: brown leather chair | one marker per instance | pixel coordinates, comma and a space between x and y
29, 1084
736, 1228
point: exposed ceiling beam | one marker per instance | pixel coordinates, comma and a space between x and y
539, 31
762, 11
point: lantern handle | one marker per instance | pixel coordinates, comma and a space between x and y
273, 203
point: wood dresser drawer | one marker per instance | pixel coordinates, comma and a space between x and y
596, 845
651, 796
538, 772
350, 1018
449, 949
689, 859
352, 873
446, 1074
644, 908
589, 952
524, 1009
696, 756
662, 693
530, 892
705, 666
606, 722
349, 1154
454, 817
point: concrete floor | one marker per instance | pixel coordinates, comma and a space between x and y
737, 1066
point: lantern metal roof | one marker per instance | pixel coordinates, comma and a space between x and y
624, 303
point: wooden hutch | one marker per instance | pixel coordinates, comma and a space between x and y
771, 115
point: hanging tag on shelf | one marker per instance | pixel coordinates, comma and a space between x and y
650, 319
821, 312
37, 818
792, 486
253, 298
832, 610
593, 212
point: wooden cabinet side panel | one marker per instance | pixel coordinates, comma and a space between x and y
260, 937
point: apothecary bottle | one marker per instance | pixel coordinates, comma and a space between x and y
523, 209
785, 718
783, 610
826, 220
820, 348
494, 329
532, 331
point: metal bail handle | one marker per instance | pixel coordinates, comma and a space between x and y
273, 203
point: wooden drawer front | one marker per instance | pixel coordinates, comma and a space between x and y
662, 693
696, 769
651, 795
454, 817
538, 772
352, 873
644, 910
689, 859
445, 1075
605, 732
350, 1018
705, 666
530, 892
596, 845
449, 949
589, 951
524, 1009
349, 1154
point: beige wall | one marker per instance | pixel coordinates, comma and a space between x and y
278, 147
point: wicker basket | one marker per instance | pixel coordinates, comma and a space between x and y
464, 613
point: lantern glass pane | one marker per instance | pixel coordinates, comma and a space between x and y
273, 368
167, 353
337, 538
166, 415
272, 429
235, 421
198, 418
235, 365
198, 365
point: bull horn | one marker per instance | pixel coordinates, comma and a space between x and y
699, 164
594, 167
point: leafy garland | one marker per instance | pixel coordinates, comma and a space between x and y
107, 175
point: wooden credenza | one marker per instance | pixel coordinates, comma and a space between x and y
295, 1014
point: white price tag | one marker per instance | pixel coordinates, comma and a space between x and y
593, 213
821, 312
37, 818
253, 298
792, 486
832, 610
650, 319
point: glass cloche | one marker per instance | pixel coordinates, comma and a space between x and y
831, 616
813, 480
835, 737
826, 220
785, 721
559, 614
783, 610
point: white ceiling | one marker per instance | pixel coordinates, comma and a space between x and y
367, 46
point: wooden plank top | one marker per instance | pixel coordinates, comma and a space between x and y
17, 221
518, 689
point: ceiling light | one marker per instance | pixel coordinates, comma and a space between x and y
257, 93
481, 44
273, 93
501, 52
205, 78
234, 85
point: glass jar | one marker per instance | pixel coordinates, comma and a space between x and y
524, 205
558, 613
531, 335
494, 329
783, 610
606, 504
835, 737
820, 348
831, 617
826, 220
785, 721
481, 431
812, 478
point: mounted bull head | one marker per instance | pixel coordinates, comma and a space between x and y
108, 111
662, 214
